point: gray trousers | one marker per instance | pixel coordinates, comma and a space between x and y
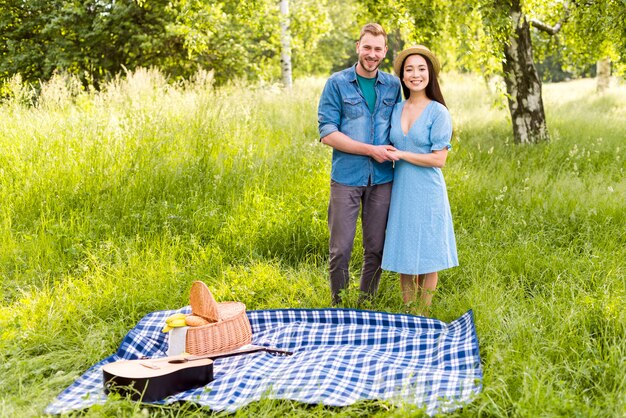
343, 212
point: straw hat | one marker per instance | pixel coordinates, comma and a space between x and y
415, 49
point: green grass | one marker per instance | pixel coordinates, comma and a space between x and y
114, 202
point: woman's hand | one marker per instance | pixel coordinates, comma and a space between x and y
401, 154
435, 158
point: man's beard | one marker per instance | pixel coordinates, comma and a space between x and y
363, 63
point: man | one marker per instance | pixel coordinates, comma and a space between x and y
354, 119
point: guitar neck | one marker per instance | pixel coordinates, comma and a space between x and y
247, 349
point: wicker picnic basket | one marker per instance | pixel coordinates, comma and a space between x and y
228, 329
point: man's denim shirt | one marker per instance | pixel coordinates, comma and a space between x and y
343, 108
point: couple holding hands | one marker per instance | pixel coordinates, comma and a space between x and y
386, 165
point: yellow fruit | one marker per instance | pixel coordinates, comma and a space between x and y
166, 328
175, 317
177, 323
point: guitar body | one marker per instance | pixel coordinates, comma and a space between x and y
150, 380
139, 381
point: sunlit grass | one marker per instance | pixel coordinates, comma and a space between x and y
114, 202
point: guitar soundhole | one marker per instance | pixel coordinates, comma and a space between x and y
177, 361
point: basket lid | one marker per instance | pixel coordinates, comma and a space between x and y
229, 327
203, 303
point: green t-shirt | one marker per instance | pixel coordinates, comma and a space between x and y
367, 88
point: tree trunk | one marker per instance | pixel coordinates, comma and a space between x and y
603, 74
285, 42
522, 83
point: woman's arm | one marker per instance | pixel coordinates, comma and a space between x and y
436, 158
343, 142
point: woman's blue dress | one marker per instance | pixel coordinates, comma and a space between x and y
420, 235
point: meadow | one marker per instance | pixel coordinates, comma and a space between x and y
114, 202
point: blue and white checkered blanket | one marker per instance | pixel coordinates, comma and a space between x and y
341, 356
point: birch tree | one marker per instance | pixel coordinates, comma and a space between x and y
603, 74
523, 85
285, 43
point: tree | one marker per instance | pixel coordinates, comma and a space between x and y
508, 33
586, 32
321, 41
235, 39
603, 74
90, 38
522, 81
484, 33
285, 42
239, 39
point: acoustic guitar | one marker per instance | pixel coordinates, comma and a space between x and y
150, 380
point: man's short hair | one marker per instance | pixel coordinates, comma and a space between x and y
373, 29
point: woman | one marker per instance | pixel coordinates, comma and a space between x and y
420, 236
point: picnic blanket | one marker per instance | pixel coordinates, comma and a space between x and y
341, 356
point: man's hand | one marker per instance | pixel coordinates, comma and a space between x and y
344, 143
382, 153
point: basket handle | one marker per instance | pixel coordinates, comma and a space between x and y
202, 302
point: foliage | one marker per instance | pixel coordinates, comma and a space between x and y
591, 31
236, 39
493, 39
465, 35
89, 38
413, 22
322, 42
115, 201
469, 36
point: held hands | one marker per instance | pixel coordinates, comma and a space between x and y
398, 154
382, 153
